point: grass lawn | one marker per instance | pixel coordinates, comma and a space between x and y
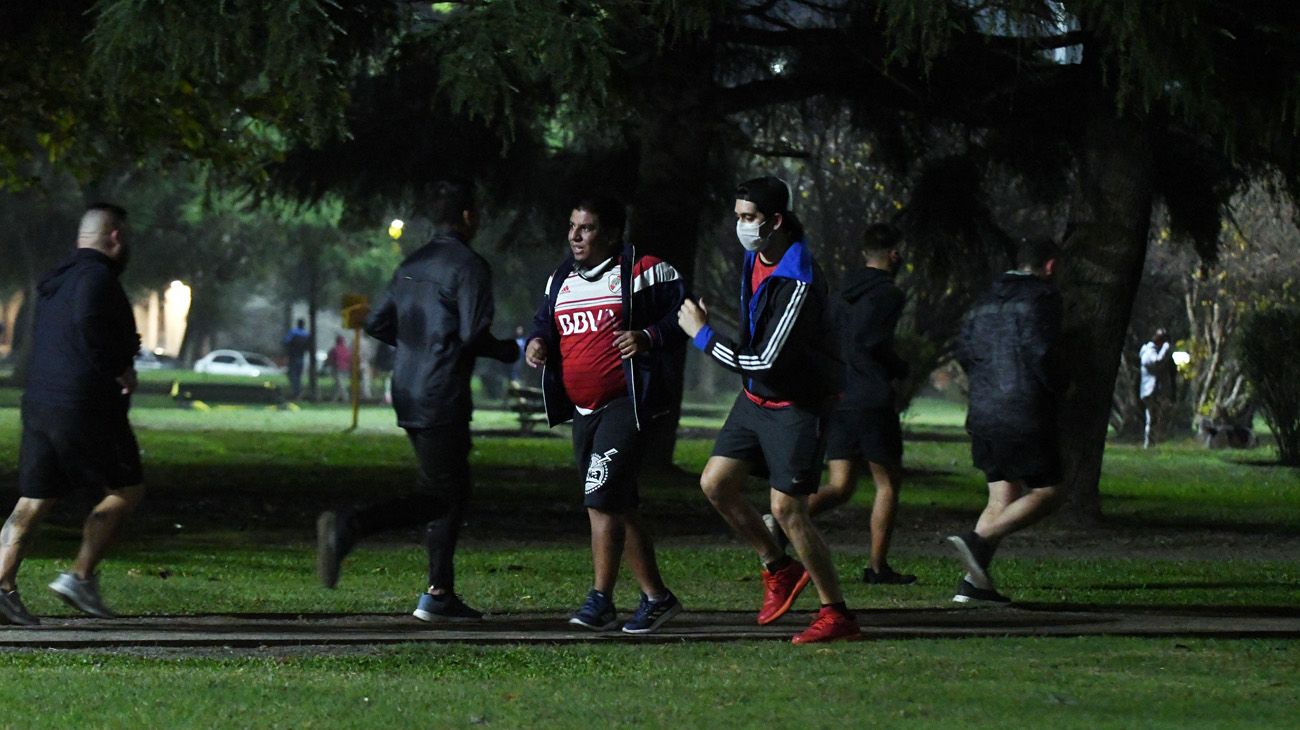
228, 527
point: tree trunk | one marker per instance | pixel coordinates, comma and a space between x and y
1105, 247
672, 200
313, 293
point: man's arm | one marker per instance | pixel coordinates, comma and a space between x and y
103, 316
877, 333
1044, 327
474, 301
381, 323
758, 357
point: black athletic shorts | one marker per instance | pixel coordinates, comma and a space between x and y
607, 446
871, 434
783, 444
64, 449
1032, 459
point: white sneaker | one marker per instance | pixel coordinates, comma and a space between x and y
82, 595
13, 611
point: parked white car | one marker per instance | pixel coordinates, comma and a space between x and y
236, 362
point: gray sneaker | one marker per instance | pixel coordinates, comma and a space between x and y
82, 595
13, 611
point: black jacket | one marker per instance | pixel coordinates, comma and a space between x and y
650, 304
1008, 348
84, 336
437, 311
786, 349
869, 308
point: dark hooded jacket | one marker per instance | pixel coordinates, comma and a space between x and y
1008, 346
786, 350
84, 336
869, 308
437, 311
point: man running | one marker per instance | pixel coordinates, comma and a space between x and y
1007, 347
607, 338
76, 434
437, 312
786, 356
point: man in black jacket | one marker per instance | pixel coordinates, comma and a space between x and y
606, 336
786, 356
74, 411
437, 312
864, 432
1008, 348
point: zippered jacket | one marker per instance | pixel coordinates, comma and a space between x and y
84, 336
1008, 348
437, 311
650, 302
869, 307
787, 350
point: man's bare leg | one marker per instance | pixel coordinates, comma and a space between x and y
16, 537
1012, 507
641, 558
607, 535
102, 525
883, 508
791, 511
841, 483
722, 481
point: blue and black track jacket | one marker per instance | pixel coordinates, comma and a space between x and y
651, 304
787, 349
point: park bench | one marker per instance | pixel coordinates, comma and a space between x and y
527, 404
203, 396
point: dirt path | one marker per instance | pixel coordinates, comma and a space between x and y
324, 633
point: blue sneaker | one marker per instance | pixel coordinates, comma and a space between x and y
597, 612
650, 615
445, 608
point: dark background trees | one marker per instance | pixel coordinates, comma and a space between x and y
1076, 118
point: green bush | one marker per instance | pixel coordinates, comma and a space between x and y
1270, 348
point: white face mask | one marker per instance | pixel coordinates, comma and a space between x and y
749, 236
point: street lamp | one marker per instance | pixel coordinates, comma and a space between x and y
395, 228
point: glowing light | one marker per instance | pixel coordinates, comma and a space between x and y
1182, 358
395, 228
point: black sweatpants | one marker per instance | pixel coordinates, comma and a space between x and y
439, 502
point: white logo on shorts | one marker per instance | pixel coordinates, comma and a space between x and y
598, 472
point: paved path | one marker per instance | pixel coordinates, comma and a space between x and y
278, 630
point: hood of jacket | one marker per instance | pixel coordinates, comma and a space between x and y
55, 278
860, 282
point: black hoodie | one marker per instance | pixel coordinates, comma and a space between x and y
869, 310
84, 336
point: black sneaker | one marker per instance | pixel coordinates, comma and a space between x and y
13, 611
774, 529
332, 545
968, 593
976, 554
597, 612
886, 576
445, 608
650, 615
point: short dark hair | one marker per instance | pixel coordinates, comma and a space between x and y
881, 238
1034, 253
302, 322
116, 212
448, 200
609, 211
769, 194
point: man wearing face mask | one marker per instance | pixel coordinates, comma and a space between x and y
864, 433
606, 335
786, 356
76, 434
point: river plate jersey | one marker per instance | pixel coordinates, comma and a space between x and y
588, 311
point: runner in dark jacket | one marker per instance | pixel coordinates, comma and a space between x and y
1008, 348
864, 433
437, 311
786, 353
76, 434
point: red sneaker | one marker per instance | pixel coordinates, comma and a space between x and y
830, 625
783, 587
